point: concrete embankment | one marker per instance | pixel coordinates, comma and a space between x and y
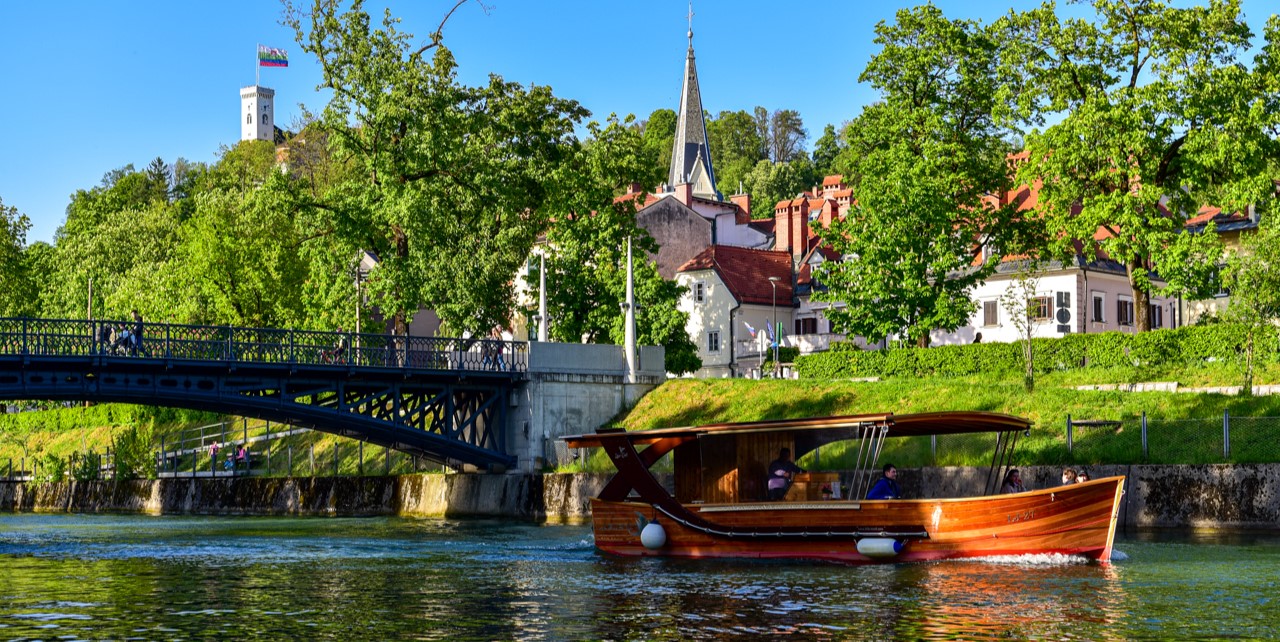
1209, 496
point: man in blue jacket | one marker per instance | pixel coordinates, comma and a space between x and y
887, 486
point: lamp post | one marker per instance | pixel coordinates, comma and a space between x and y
773, 281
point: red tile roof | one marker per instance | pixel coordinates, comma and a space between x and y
746, 272
834, 179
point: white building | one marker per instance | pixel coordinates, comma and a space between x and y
257, 113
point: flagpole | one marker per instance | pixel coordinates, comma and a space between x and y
257, 68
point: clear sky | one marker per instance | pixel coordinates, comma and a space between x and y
91, 86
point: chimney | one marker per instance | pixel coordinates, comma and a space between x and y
684, 193
743, 201
782, 229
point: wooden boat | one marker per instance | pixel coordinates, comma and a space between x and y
717, 508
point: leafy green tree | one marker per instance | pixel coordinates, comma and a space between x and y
112, 234
735, 146
451, 180
1154, 115
924, 157
132, 456
238, 261
586, 253
826, 150
659, 136
18, 293
1253, 275
770, 182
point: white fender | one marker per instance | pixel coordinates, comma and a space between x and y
653, 536
879, 546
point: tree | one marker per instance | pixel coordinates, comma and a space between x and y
1155, 116
786, 135
17, 287
158, 180
770, 182
113, 234
586, 253
735, 146
782, 131
659, 136
451, 180
924, 158
826, 150
1253, 275
1021, 302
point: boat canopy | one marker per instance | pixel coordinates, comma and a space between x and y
826, 429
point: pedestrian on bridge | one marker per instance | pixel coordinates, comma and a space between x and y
137, 333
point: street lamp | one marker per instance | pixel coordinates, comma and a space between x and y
773, 281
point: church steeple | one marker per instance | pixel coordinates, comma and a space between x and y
690, 153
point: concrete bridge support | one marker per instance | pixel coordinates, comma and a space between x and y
572, 389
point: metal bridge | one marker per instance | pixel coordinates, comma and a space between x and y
439, 398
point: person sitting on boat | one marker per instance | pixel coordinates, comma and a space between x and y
781, 472
1012, 482
887, 486
1082, 477
1068, 476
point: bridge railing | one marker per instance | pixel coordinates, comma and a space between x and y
70, 337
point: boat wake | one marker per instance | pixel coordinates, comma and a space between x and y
1031, 559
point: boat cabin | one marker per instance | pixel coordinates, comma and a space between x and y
727, 463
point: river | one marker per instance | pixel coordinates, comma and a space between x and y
93, 577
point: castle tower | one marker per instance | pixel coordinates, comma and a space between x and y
257, 113
690, 153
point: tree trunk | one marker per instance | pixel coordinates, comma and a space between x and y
1141, 299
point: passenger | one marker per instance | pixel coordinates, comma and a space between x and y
1082, 477
1068, 476
887, 486
1012, 482
781, 472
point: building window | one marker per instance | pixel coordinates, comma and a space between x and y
1157, 316
699, 292
713, 341
1124, 311
1038, 308
248, 119
990, 313
1099, 307
264, 119
807, 326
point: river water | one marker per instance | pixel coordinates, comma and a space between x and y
95, 577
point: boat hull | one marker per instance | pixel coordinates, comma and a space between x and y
1079, 519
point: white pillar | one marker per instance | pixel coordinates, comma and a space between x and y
630, 328
542, 299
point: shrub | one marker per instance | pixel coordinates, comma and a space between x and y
1188, 345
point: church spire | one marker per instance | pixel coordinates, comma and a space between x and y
690, 152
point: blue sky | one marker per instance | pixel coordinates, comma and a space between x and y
91, 86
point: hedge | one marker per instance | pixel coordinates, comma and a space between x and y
1187, 345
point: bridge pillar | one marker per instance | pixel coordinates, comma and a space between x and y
572, 389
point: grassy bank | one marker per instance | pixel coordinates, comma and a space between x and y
1184, 427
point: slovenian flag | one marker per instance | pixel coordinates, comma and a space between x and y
272, 57
750, 329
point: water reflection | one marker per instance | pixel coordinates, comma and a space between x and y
117, 577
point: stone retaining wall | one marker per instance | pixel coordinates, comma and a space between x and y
1208, 496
